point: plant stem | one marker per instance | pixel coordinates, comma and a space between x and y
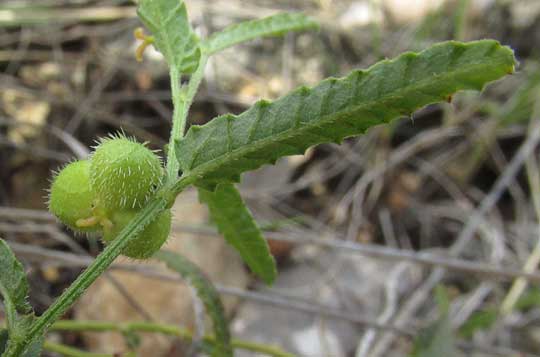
256, 347
100, 264
182, 99
171, 330
178, 99
70, 351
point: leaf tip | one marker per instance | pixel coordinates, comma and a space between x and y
270, 277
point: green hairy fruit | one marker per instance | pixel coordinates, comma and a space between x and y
146, 243
124, 173
104, 193
71, 197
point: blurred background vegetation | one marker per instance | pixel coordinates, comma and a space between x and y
421, 237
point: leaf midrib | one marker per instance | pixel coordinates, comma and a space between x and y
296, 131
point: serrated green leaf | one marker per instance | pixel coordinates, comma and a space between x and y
337, 108
275, 25
235, 222
14, 289
173, 36
208, 295
13, 285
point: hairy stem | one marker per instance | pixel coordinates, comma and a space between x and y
171, 330
79, 286
182, 98
178, 99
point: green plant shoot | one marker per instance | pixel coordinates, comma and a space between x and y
127, 193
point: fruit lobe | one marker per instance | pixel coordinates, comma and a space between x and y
146, 243
124, 173
71, 197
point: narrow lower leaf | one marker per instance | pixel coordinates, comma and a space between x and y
275, 25
235, 222
208, 295
173, 36
13, 285
337, 108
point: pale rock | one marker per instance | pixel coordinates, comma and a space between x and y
165, 301
309, 342
351, 283
39, 75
